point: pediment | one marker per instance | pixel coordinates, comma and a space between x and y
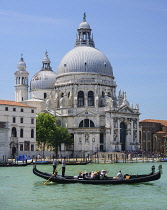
58, 113
125, 109
86, 112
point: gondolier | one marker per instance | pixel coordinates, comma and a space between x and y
63, 166
54, 165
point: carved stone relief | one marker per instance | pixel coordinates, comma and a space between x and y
87, 137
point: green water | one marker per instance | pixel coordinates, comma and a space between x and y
21, 189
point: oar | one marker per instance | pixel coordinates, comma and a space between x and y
52, 175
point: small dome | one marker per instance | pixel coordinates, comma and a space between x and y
85, 59
21, 65
84, 25
43, 80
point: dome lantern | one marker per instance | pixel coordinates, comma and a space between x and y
46, 63
84, 37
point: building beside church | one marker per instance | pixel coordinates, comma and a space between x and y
82, 96
153, 136
17, 129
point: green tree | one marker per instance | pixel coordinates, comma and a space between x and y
45, 129
61, 135
48, 133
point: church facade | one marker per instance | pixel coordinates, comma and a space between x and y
82, 96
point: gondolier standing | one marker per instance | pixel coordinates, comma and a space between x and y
54, 165
63, 166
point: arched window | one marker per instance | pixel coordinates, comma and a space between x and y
14, 132
86, 123
90, 98
80, 98
109, 94
32, 133
23, 80
21, 133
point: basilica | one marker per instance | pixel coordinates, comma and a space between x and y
82, 95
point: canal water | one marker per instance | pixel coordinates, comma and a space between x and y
22, 190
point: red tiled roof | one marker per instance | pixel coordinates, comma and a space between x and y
163, 122
13, 103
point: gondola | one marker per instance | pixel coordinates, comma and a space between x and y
13, 164
43, 162
128, 179
78, 163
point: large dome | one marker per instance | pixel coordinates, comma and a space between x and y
85, 59
43, 80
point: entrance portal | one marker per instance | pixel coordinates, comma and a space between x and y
123, 136
13, 152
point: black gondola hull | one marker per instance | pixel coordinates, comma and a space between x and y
70, 179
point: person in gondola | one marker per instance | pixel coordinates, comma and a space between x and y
54, 165
63, 166
153, 169
97, 175
119, 175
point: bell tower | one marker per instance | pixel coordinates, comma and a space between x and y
21, 81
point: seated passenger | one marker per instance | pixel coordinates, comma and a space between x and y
103, 174
80, 176
92, 175
119, 175
88, 176
97, 175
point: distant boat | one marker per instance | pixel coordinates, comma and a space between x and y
163, 160
43, 162
13, 164
77, 163
23, 159
128, 179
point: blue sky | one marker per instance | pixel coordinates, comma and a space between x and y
131, 33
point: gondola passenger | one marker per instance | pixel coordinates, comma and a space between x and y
119, 175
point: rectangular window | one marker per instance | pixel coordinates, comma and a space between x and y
32, 121
6, 108
14, 109
14, 120
3, 124
32, 147
21, 133
32, 110
101, 138
45, 95
21, 120
21, 147
22, 110
26, 146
